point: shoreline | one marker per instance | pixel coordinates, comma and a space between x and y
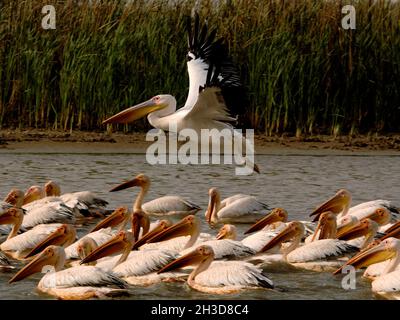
49, 141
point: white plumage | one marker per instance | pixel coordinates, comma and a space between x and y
243, 209
170, 205
230, 275
176, 244
387, 283
21, 244
224, 248
140, 263
257, 241
100, 237
238, 208
80, 276
319, 250
51, 212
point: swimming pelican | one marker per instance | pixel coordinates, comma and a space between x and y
99, 237
365, 230
84, 201
79, 203
31, 242
167, 205
255, 241
220, 277
76, 283
319, 255
339, 204
214, 87
135, 267
175, 238
42, 210
244, 209
388, 283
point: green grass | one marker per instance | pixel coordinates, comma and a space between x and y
303, 72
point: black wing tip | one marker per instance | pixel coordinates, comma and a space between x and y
265, 282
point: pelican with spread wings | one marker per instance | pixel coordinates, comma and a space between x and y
215, 89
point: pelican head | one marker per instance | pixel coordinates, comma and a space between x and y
294, 231
119, 217
85, 247
381, 216
32, 194
51, 256
228, 231
121, 242
326, 226
340, 202
13, 216
161, 226
364, 227
346, 223
277, 214
213, 205
15, 197
377, 252
62, 236
190, 225
141, 180
52, 189
201, 255
136, 112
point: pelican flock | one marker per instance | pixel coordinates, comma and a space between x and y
171, 238
141, 247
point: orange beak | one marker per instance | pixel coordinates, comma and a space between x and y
277, 214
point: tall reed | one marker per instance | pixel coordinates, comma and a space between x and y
304, 73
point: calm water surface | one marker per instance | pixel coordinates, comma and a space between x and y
297, 183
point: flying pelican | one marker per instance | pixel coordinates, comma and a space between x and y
339, 204
319, 255
241, 209
220, 277
388, 283
167, 205
76, 283
214, 87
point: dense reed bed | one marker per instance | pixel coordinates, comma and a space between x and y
303, 72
